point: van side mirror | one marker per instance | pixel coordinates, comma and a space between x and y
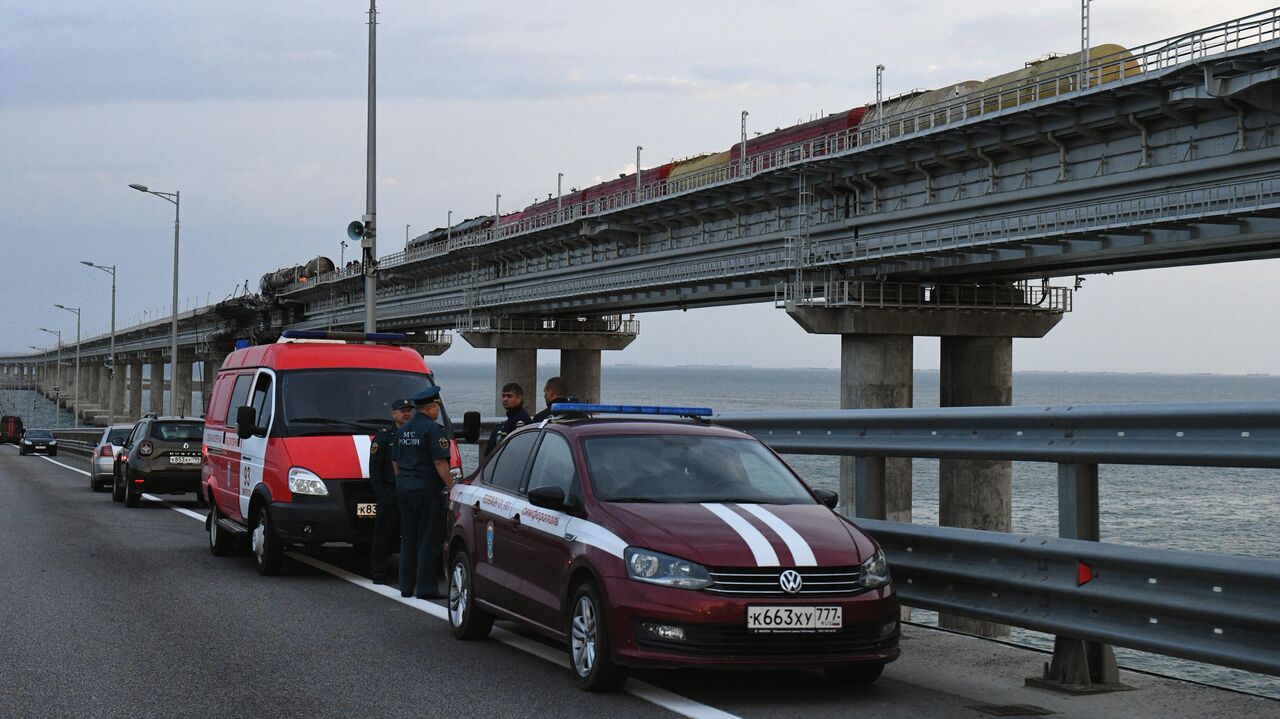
246, 422
547, 497
827, 497
471, 427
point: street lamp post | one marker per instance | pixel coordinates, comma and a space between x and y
57, 388
111, 356
176, 199
559, 196
638, 149
76, 416
879, 101
742, 159
448, 229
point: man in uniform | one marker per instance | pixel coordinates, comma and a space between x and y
556, 390
421, 458
382, 475
513, 403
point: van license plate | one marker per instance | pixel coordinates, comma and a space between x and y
780, 620
367, 509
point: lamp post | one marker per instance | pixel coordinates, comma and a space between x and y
175, 198
559, 195
111, 356
57, 388
76, 406
879, 100
638, 149
1084, 44
448, 229
742, 159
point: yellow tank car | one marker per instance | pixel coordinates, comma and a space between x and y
1052, 75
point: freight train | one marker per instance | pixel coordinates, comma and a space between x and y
1039, 79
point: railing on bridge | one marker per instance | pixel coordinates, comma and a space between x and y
1205, 607
1023, 296
1134, 65
613, 324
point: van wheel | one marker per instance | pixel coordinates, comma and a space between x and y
589, 653
219, 541
131, 495
117, 488
268, 551
468, 620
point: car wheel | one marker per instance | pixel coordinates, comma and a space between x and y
468, 620
220, 543
859, 675
268, 551
117, 486
131, 493
589, 653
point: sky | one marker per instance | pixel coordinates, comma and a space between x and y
256, 113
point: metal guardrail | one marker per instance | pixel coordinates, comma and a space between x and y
1023, 296
1205, 607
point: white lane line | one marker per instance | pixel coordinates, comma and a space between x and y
641, 690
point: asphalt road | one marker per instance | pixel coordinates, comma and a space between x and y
114, 612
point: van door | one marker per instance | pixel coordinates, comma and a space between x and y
228, 478
253, 449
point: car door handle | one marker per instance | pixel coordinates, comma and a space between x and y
515, 521
475, 508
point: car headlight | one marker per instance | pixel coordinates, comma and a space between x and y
26, 441
53, 442
304, 481
644, 565
875, 571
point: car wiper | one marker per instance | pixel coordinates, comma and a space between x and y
334, 423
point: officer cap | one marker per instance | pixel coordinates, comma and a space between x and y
402, 404
426, 396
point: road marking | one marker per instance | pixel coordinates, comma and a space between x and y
641, 690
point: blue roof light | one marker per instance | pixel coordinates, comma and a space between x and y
631, 409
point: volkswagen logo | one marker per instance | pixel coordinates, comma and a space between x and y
790, 581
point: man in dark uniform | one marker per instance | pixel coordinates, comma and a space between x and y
556, 390
513, 403
421, 458
382, 475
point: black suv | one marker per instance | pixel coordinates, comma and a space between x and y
161, 456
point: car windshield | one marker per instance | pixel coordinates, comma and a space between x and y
118, 436
178, 431
342, 401
38, 434
689, 468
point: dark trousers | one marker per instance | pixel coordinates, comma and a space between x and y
421, 534
386, 533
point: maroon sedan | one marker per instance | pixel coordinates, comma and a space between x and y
658, 543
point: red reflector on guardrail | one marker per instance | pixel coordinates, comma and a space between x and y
1084, 573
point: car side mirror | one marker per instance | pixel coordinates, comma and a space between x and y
827, 497
471, 427
547, 497
246, 422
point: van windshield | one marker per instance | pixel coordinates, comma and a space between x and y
341, 401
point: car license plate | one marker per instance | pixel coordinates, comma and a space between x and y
367, 509
781, 620
183, 460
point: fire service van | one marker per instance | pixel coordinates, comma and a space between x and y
287, 437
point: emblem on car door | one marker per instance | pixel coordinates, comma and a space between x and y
790, 581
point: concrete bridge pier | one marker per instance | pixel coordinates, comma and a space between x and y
182, 388
119, 382
156, 385
580, 344
134, 405
103, 385
209, 370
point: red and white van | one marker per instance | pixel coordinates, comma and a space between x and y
287, 437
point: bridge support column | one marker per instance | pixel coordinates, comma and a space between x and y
182, 389
103, 386
156, 386
580, 344
208, 373
134, 410
119, 375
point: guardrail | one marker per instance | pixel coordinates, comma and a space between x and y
80, 441
1205, 607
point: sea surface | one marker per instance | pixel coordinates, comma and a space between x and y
1212, 510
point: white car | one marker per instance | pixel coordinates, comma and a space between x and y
103, 461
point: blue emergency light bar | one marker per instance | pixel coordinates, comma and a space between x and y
345, 336
630, 409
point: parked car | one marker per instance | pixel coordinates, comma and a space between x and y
102, 463
162, 455
656, 543
38, 440
288, 436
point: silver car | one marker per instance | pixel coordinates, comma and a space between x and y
103, 462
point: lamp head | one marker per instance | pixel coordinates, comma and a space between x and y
86, 262
139, 188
